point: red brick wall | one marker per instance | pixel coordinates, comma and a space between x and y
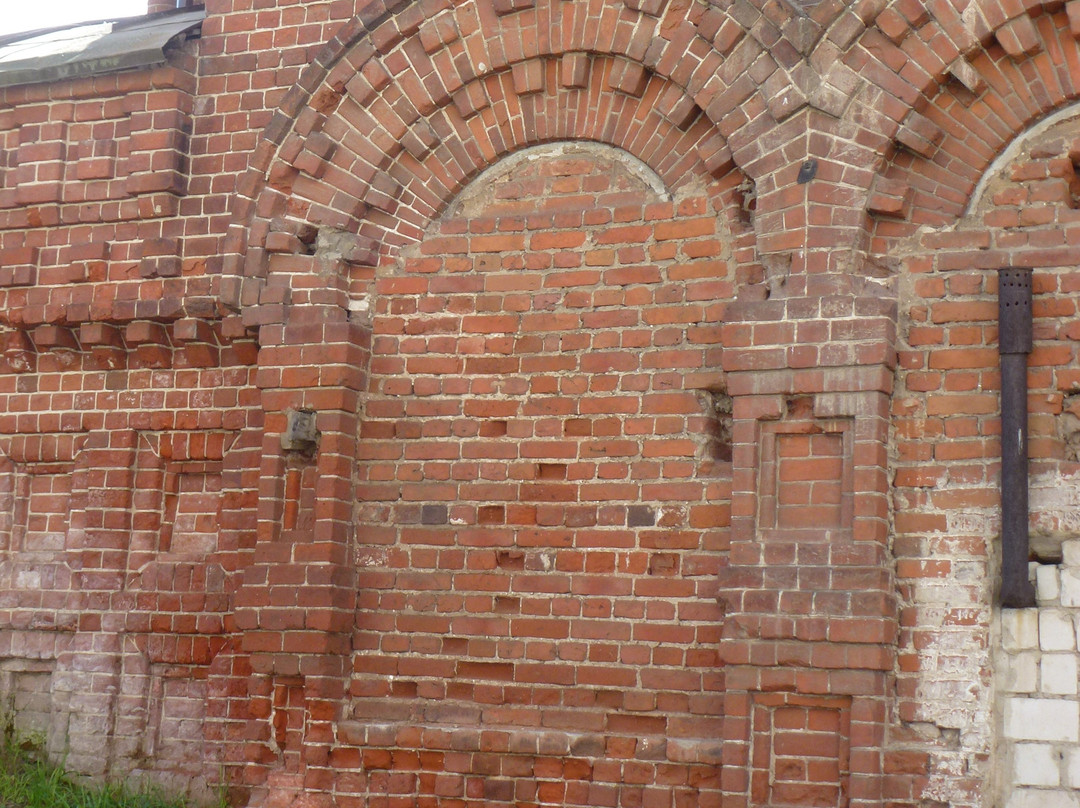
657, 471
543, 504
947, 425
105, 448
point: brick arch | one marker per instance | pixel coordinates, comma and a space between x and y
945, 131
394, 117
363, 170
400, 109
1020, 213
895, 108
909, 52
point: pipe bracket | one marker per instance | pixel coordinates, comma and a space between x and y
1014, 310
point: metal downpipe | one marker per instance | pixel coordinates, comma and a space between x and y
1014, 345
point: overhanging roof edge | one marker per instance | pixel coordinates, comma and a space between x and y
78, 51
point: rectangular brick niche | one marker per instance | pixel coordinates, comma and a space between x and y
35, 496
806, 480
42, 499
800, 751
26, 693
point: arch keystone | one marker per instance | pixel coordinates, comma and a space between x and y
528, 77
574, 70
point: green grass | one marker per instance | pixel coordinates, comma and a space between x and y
28, 780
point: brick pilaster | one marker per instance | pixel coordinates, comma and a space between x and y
811, 626
296, 606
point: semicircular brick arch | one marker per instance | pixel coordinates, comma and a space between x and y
903, 93
370, 148
400, 110
900, 57
385, 162
965, 113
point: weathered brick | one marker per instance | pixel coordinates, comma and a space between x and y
547, 418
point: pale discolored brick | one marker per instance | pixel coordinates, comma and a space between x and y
1019, 629
1057, 631
1042, 719
1036, 765
1058, 674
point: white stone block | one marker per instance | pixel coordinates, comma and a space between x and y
1057, 631
1070, 551
1047, 583
1058, 674
1070, 587
1042, 720
1019, 629
1072, 768
1036, 764
1020, 672
1041, 798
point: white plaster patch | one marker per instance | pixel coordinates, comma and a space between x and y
28, 579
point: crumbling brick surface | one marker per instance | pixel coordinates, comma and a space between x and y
946, 424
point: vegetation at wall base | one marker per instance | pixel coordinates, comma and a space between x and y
29, 780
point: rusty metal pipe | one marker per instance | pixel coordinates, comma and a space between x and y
1014, 345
